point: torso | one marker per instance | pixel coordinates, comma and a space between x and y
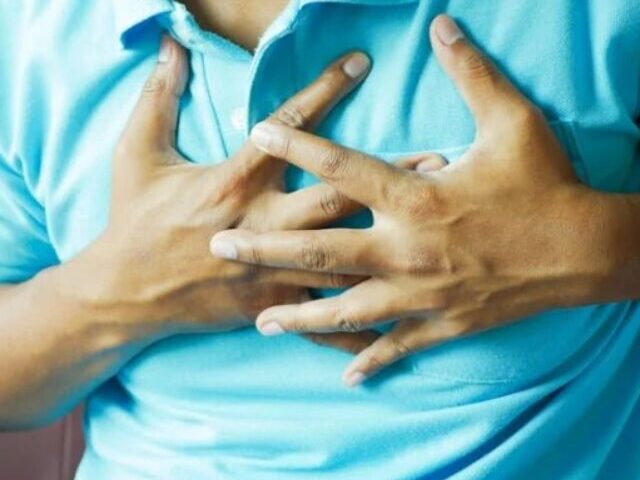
511, 403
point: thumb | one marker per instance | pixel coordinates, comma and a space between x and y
488, 93
152, 125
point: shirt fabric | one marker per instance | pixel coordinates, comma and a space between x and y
552, 396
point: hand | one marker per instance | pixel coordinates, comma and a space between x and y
153, 256
495, 236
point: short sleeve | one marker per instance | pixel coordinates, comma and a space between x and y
24, 244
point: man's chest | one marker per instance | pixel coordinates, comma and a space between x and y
406, 105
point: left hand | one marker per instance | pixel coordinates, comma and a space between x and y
498, 235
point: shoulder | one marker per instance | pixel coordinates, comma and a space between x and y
46, 47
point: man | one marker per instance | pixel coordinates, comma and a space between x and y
552, 396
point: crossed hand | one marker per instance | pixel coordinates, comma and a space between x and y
452, 251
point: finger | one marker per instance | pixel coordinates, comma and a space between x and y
486, 91
412, 161
361, 177
423, 162
300, 278
314, 207
152, 125
432, 164
359, 308
281, 276
339, 250
406, 338
348, 342
308, 107
386, 350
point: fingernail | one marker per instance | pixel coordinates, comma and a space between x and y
224, 249
354, 378
165, 50
270, 328
424, 167
448, 31
429, 165
357, 65
264, 136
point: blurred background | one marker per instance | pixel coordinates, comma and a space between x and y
52, 453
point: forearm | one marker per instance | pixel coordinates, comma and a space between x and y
58, 343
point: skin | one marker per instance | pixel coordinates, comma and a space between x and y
148, 276
78, 323
505, 232
241, 21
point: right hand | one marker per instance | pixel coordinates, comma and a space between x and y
164, 210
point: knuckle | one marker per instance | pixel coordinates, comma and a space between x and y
155, 85
346, 321
399, 347
315, 256
332, 162
291, 115
333, 204
476, 66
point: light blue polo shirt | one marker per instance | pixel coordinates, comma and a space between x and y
554, 396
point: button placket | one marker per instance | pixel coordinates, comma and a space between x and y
238, 119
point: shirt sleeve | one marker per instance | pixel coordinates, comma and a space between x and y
24, 245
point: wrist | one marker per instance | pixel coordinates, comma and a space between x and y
619, 223
606, 245
94, 285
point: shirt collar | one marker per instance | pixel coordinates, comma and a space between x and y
362, 2
130, 14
